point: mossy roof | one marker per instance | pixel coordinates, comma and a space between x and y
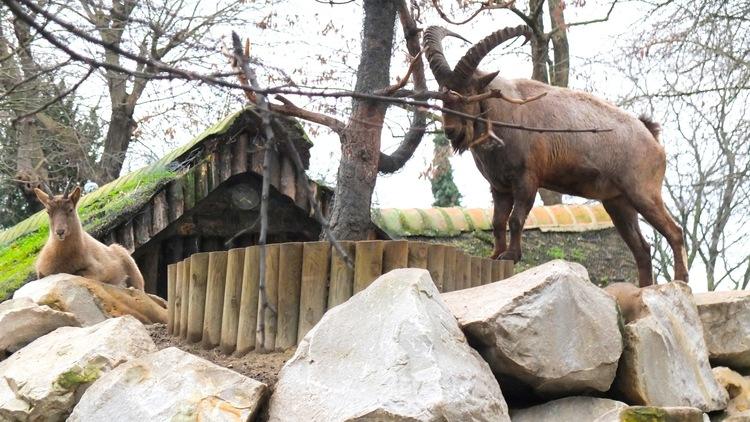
103, 209
449, 222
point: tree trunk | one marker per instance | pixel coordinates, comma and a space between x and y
360, 142
540, 60
121, 126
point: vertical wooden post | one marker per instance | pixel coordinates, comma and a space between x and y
176, 201
368, 263
185, 297
463, 270
342, 277
486, 271
290, 279
395, 255
475, 263
288, 178
418, 255
509, 268
248, 322
497, 270
239, 154
232, 295
435, 264
197, 305
171, 286
449, 269
217, 278
316, 258
272, 288
179, 282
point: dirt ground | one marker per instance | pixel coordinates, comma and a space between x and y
263, 367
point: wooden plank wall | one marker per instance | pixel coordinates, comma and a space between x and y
214, 298
220, 160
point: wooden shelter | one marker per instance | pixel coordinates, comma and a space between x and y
201, 197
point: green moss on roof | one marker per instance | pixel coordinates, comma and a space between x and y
101, 209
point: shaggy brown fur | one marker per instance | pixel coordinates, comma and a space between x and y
71, 250
624, 168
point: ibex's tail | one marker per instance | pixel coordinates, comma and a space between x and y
652, 126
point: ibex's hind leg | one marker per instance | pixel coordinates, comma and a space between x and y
652, 208
503, 204
625, 218
523, 199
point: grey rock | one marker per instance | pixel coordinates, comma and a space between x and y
92, 301
44, 380
726, 327
548, 327
392, 352
170, 385
573, 409
665, 362
23, 321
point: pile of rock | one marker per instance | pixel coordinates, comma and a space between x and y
546, 341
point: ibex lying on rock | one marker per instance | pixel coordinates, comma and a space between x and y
71, 250
623, 168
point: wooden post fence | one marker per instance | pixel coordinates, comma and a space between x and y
214, 298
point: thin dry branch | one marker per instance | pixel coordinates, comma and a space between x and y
176, 73
487, 5
402, 82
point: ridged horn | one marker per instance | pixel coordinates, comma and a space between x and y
468, 64
433, 45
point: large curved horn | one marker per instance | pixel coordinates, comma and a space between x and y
433, 45
469, 62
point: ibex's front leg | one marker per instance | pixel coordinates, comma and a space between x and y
503, 205
524, 194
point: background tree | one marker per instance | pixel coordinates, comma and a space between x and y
440, 173
689, 66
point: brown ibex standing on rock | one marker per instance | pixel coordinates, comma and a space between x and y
623, 167
71, 250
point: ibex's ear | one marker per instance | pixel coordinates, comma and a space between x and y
486, 79
75, 195
41, 196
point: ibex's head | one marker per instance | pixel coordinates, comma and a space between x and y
61, 210
464, 80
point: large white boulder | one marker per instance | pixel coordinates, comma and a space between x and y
726, 327
170, 385
44, 380
547, 327
91, 301
392, 352
573, 409
665, 362
23, 321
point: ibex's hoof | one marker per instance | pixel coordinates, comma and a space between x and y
510, 256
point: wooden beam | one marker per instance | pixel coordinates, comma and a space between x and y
316, 259
248, 321
217, 276
175, 198
197, 305
395, 254
435, 264
368, 263
239, 154
342, 277
449, 269
232, 296
290, 279
160, 217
